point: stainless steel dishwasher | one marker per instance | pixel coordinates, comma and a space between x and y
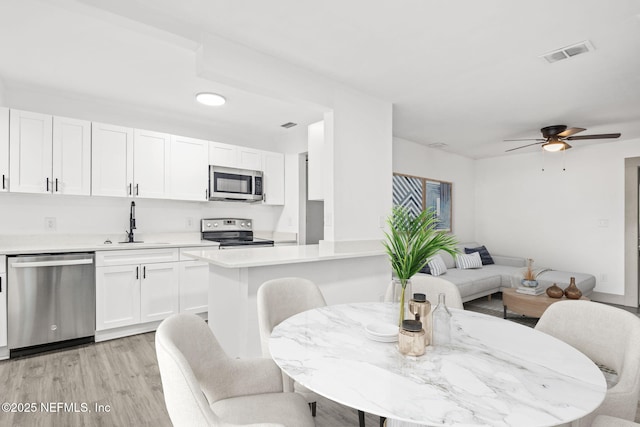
51, 301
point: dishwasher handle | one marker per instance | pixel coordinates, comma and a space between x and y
52, 263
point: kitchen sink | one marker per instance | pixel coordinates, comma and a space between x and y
134, 243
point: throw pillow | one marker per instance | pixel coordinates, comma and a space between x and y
437, 266
471, 260
425, 269
485, 256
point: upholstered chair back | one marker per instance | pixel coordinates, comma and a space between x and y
610, 337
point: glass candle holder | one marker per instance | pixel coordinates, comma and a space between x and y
411, 339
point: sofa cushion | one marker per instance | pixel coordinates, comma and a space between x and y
468, 261
484, 254
425, 269
437, 265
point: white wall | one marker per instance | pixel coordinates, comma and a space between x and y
25, 214
414, 159
570, 220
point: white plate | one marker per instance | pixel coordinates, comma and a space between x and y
393, 338
382, 330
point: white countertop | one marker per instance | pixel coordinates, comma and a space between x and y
32, 244
278, 255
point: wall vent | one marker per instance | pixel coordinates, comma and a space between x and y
289, 125
568, 52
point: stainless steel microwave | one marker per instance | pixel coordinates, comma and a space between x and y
235, 184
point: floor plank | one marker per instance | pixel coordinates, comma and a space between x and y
121, 373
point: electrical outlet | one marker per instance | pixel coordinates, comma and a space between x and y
189, 223
50, 224
603, 278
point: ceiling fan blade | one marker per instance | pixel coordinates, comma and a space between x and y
524, 139
570, 131
599, 136
528, 145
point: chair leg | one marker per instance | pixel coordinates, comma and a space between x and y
312, 405
361, 418
382, 421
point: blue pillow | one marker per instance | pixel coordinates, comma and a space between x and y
426, 269
485, 256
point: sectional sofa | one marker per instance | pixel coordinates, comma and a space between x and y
505, 272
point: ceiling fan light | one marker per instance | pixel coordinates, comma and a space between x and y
210, 99
554, 144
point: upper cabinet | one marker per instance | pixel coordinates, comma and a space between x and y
150, 159
315, 164
4, 148
49, 154
273, 164
111, 160
30, 152
71, 156
187, 172
233, 156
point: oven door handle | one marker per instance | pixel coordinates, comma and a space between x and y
266, 245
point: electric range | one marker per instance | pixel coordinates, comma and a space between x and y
232, 233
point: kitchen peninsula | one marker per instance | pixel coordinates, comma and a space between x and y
353, 271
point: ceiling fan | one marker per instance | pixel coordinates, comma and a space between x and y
554, 138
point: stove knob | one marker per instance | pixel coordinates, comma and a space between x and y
208, 225
248, 224
215, 224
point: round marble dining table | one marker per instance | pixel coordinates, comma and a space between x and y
494, 373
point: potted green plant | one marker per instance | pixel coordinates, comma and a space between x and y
410, 242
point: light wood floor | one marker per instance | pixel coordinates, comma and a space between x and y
121, 373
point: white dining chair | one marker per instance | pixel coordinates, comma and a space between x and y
610, 337
279, 299
204, 387
607, 421
431, 286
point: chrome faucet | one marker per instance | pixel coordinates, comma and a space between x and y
132, 223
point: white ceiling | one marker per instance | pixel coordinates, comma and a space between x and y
464, 73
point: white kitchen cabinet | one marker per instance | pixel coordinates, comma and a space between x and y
158, 291
117, 296
273, 164
248, 158
188, 172
4, 149
111, 160
234, 156
49, 154
221, 154
71, 156
316, 162
30, 152
150, 160
3, 303
136, 286
194, 286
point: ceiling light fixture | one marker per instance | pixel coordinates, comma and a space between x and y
210, 99
554, 144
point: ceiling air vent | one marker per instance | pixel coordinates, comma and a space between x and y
289, 125
568, 52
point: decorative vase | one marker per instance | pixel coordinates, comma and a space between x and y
529, 283
420, 308
400, 294
555, 291
572, 291
441, 323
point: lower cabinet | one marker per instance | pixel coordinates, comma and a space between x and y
147, 285
194, 286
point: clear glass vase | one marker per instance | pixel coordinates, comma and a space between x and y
441, 323
401, 296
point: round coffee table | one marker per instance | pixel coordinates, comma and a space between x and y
528, 305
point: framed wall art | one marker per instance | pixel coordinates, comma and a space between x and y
417, 194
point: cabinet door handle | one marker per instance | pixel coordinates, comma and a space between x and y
137, 272
130, 188
137, 188
144, 272
0, 284
47, 184
4, 187
56, 185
